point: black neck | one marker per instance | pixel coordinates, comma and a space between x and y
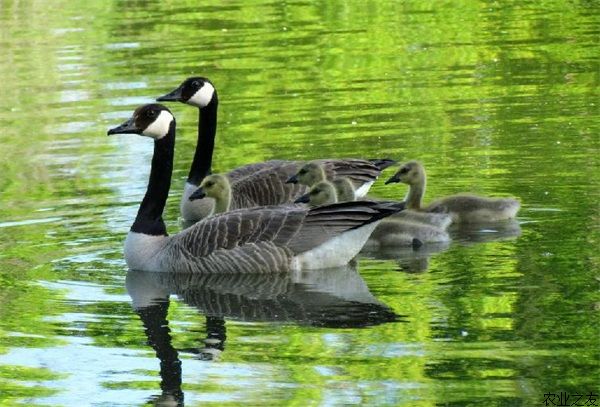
207, 128
149, 217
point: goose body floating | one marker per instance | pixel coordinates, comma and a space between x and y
389, 232
464, 208
264, 239
257, 184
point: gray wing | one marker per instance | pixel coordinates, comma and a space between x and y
267, 187
323, 223
358, 170
239, 227
241, 172
292, 228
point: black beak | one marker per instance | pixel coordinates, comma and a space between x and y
393, 179
198, 194
303, 199
292, 180
174, 96
127, 127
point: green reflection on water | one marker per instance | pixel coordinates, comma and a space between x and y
495, 98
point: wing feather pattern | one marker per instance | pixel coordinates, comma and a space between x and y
265, 239
357, 170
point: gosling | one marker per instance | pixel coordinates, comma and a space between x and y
345, 192
218, 187
388, 232
463, 208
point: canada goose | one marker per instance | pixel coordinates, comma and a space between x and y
259, 186
389, 232
463, 208
265, 239
361, 173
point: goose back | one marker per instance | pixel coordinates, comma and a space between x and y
263, 184
266, 187
466, 208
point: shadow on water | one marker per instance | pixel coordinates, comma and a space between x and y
332, 298
409, 259
486, 232
416, 259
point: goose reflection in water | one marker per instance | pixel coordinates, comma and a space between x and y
415, 259
484, 232
410, 259
336, 298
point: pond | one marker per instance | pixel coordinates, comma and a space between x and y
496, 98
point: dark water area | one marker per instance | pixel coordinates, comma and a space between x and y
495, 98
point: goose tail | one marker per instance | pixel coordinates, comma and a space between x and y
355, 214
382, 163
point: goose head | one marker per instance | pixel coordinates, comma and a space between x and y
411, 173
311, 173
321, 193
153, 120
195, 91
214, 186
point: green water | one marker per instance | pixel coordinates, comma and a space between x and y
498, 98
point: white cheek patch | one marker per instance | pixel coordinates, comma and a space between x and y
203, 96
159, 127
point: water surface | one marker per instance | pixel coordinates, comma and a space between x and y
498, 98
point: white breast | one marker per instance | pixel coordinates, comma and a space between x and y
335, 252
143, 252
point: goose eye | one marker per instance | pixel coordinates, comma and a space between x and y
151, 113
302, 172
196, 84
404, 170
315, 191
209, 184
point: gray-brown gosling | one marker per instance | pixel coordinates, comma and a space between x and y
344, 189
228, 195
345, 192
217, 187
389, 232
463, 208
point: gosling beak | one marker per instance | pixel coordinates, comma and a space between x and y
173, 96
198, 194
127, 127
393, 179
292, 180
303, 199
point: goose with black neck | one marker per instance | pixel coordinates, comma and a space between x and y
255, 240
262, 183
